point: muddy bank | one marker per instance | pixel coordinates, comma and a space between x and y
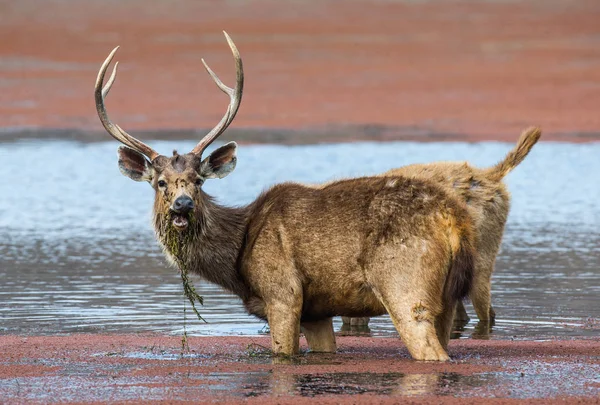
368, 70
144, 368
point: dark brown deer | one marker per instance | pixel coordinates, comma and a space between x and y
299, 255
488, 203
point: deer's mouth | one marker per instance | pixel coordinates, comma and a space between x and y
180, 221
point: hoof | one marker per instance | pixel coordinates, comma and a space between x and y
431, 355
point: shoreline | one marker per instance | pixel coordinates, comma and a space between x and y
293, 136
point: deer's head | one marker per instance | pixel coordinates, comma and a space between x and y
177, 180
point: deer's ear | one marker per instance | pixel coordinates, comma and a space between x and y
134, 165
220, 162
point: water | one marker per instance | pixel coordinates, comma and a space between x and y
264, 384
77, 252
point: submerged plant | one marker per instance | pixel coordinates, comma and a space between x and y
177, 244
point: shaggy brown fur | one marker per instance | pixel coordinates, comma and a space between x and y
299, 255
488, 203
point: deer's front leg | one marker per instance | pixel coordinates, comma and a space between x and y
284, 322
320, 336
275, 279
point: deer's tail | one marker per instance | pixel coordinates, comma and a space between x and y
528, 138
462, 265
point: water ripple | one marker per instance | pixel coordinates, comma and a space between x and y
77, 251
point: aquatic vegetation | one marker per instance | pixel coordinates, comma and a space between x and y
176, 243
257, 350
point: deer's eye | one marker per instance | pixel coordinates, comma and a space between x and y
162, 183
199, 181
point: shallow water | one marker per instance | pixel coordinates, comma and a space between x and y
266, 384
153, 373
77, 252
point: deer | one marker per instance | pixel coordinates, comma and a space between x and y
488, 201
297, 256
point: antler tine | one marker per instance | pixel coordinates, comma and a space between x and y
235, 96
114, 130
110, 81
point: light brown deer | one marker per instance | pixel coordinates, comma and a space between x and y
488, 203
299, 255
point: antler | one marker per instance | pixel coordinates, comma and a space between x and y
113, 129
119, 134
235, 96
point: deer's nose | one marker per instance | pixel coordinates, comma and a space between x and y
183, 205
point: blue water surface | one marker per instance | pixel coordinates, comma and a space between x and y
77, 251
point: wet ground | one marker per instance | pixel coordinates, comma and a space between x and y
371, 70
142, 369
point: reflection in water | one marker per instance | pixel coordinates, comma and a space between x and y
533, 380
315, 384
483, 329
81, 255
530, 379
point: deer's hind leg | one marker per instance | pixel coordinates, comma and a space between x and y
411, 291
416, 326
461, 313
490, 238
443, 324
356, 321
481, 295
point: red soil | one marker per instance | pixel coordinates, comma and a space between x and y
143, 369
464, 69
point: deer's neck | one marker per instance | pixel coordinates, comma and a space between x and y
211, 247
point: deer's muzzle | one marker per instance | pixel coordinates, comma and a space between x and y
180, 211
183, 205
